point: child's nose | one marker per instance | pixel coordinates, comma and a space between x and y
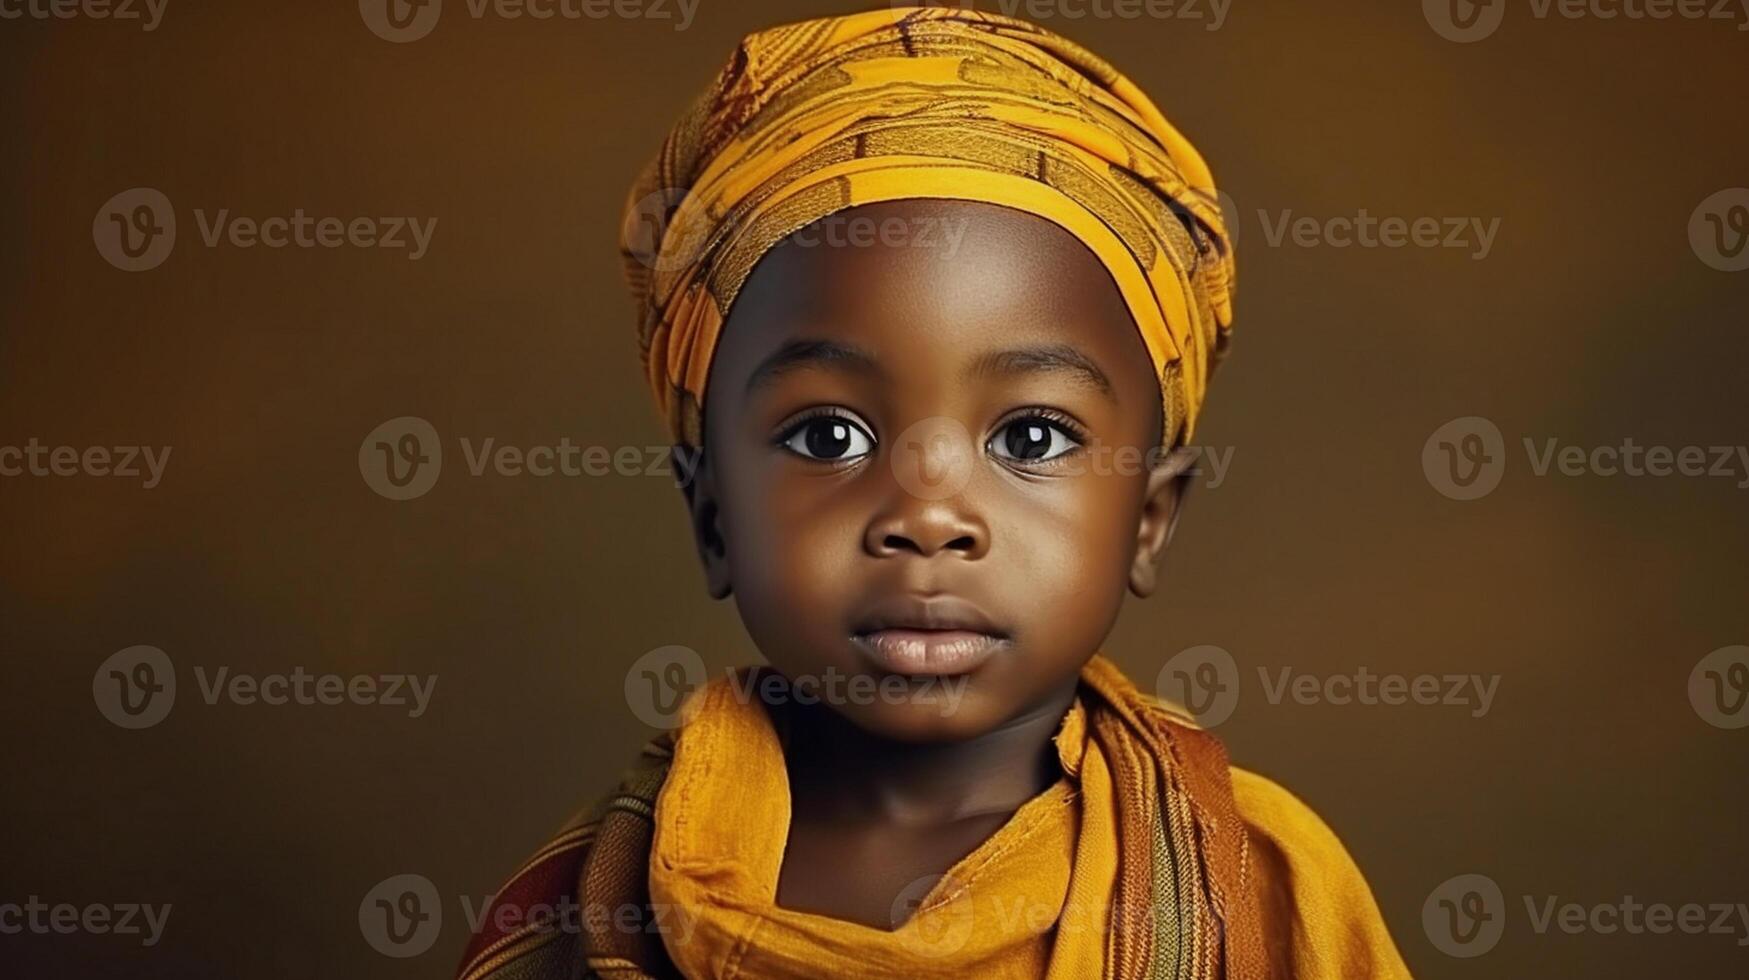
927, 528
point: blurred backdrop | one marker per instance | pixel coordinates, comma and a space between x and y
1441, 455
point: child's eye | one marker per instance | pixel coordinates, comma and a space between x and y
1032, 440
832, 438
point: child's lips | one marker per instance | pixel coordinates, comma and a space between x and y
928, 635
931, 652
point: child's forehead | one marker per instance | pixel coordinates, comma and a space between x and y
951, 278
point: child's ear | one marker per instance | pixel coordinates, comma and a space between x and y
1168, 481
700, 489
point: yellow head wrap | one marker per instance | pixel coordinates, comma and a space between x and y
923, 102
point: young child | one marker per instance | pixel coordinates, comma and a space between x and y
938, 303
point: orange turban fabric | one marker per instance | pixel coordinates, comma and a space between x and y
923, 102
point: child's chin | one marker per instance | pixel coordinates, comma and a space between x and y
953, 716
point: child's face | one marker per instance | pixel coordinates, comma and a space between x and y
929, 455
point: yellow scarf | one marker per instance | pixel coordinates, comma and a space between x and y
1105, 874
1028, 903
1149, 859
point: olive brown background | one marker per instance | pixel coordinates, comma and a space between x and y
1590, 317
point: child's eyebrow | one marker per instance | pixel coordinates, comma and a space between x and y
1045, 357
796, 354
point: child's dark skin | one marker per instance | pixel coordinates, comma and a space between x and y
1042, 538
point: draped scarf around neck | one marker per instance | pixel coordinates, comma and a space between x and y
1134, 865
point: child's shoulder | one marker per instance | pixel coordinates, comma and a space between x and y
1319, 914
535, 924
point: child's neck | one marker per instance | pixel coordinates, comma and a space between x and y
839, 772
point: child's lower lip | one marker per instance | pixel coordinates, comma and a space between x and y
913, 651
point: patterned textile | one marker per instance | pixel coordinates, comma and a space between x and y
923, 102
1177, 901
